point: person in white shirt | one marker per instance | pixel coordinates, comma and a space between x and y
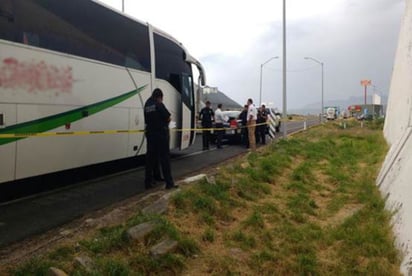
220, 118
251, 124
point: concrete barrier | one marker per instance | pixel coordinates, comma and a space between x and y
395, 178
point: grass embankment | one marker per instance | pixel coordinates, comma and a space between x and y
308, 205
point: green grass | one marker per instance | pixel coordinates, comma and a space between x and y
209, 235
255, 220
169, 264
63, 253
307, 205
106, 240
114, 267
188, 247
36, 266
242, 239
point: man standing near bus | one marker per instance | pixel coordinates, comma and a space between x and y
220, 118
206, 116
157, 119
251, 124
263, 127
244, 132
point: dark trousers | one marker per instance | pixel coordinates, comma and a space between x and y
158, 152
206, 136
219, 134
262, 133
244, 136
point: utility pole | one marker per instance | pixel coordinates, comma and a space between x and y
285, 115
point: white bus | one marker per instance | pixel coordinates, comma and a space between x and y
78, 65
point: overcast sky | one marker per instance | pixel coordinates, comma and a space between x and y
356, 39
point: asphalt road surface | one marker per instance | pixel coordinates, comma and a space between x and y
34, 215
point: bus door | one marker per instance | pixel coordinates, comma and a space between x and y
188, 111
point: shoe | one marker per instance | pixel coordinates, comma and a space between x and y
160, 179
149, 186
172, 187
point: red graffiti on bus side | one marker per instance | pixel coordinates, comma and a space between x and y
35, 76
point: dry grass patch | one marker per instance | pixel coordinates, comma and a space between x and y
297, 225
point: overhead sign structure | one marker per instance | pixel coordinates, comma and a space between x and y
366, 82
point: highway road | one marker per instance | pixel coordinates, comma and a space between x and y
34, 215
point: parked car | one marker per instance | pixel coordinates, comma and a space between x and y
232, 127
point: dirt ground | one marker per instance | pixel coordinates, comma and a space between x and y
76, 230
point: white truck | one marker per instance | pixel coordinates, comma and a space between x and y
331, 113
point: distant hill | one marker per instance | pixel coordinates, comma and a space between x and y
314, 108
220, 97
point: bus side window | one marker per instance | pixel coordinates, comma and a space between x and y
187, 89
7, 21
175, 81
77, 27
171, 64
131, 61
31, 39
6, 10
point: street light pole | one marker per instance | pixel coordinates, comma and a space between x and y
322, 79
123, 6
285, 133
261, 70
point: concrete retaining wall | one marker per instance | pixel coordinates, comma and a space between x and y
395, 179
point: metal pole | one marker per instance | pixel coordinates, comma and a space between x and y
285, 133
323, 107
123, 6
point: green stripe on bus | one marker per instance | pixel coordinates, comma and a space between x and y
58, 120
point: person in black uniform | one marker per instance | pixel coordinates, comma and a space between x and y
257, 129
263, 120
206, 115
243, 132
157, 119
